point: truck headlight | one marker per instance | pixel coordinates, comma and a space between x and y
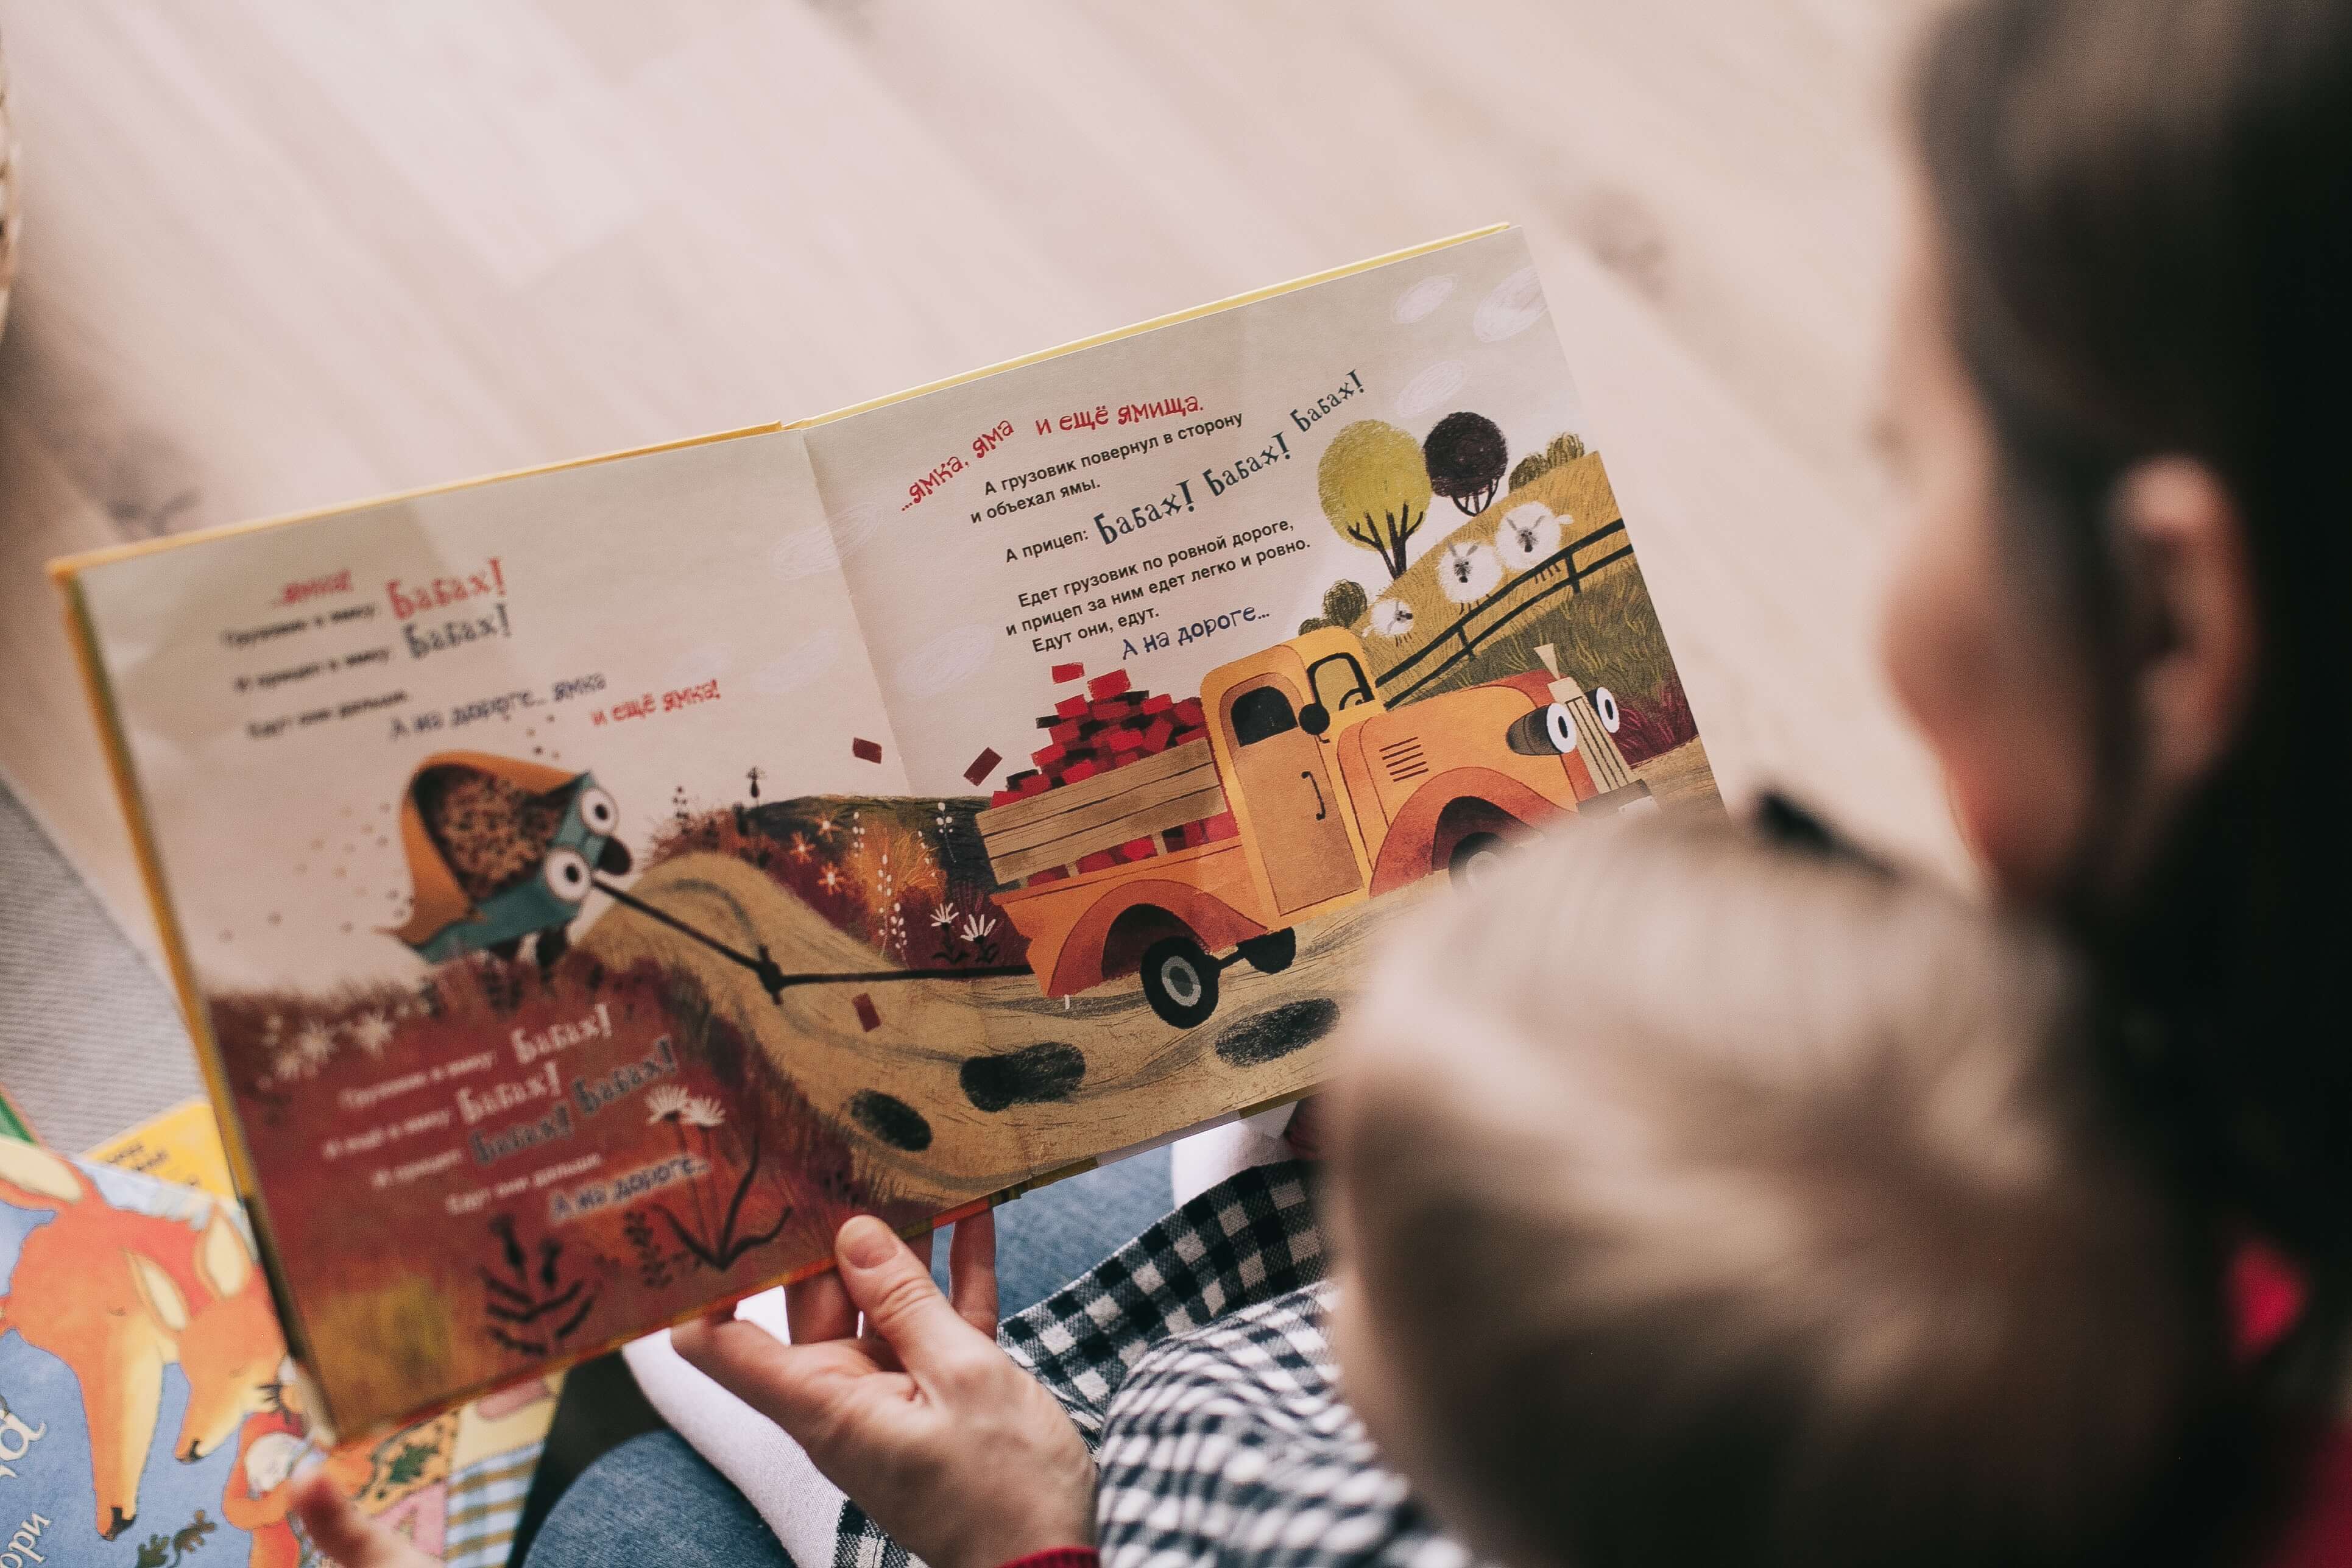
1543, 733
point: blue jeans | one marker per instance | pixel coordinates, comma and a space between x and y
655, 1497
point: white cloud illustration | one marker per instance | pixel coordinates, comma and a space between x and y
804, 552
1423, 297
854, 527
1430, 389
797, 666
945, 662
1515, 304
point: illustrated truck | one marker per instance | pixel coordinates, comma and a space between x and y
1309, 795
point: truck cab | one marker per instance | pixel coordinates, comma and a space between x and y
1339, 798
1275, 722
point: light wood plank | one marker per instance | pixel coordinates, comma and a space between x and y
1017, 824
1142, 822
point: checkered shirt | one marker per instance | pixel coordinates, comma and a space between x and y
1194, 1364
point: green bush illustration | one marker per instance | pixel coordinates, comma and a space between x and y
1563, 449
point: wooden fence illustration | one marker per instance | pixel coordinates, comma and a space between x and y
1499, 611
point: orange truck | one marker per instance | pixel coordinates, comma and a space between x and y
1334, 798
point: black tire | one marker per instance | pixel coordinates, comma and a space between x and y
1179, 981
1271, 954
1474, 858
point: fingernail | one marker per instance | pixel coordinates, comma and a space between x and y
865, 1242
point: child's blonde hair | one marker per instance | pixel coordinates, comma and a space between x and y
1721, 1201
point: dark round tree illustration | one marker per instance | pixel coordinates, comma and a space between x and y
1466, 457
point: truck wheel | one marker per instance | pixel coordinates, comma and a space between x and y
1271, 954
1475, 859
1179, 981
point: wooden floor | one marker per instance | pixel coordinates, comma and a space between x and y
281, 253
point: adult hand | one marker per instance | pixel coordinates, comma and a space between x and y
963, 1458
344, 1534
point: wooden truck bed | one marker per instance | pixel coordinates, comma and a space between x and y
1062, 825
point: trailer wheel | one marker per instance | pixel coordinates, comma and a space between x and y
1271, 954
1179, 981
1475, 859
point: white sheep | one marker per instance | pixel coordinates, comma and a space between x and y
1392, 618
1529, 532
1469, 572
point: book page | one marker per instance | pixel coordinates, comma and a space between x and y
1229, 639
460, 802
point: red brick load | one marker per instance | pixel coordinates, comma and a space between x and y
1109, 725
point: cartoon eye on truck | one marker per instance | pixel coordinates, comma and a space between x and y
1334, 798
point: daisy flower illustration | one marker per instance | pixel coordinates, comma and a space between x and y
672, 1103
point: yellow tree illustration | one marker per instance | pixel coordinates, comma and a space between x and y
1374, 488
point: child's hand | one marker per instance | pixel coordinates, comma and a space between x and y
343, 1533
962, 1456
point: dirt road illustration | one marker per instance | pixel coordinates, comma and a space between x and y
940, 1116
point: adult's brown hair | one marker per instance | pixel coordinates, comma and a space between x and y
2145, 216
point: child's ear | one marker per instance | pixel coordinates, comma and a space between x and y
222, 1261
157, 1293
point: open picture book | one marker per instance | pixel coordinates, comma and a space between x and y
588, 887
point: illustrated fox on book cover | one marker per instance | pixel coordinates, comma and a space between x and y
146, 1403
